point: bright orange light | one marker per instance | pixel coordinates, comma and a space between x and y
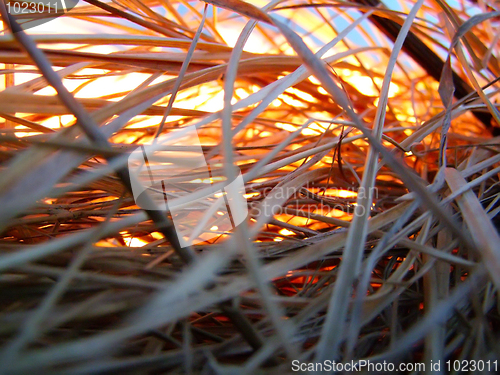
364, 84
330, 212
208, 180
301, 94
288, 127
286, 232
103, 199
341, 193
250, 195
135, 242
157, 235
313, 129
25, 132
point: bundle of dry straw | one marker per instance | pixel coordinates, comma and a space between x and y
365, 138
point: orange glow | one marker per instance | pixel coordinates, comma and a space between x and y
313, 129
135, 242
157, 235
244, 162
250, 195
103, 199
26, 133
331, 212
302, 95
279, 116
294, 220
288, 127
208, 180
341, 193
364, 84
286, 232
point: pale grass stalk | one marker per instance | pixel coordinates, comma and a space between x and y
242, 232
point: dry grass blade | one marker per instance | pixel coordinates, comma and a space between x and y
482, 230
334, 325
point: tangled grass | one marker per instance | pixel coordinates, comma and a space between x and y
366, 138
